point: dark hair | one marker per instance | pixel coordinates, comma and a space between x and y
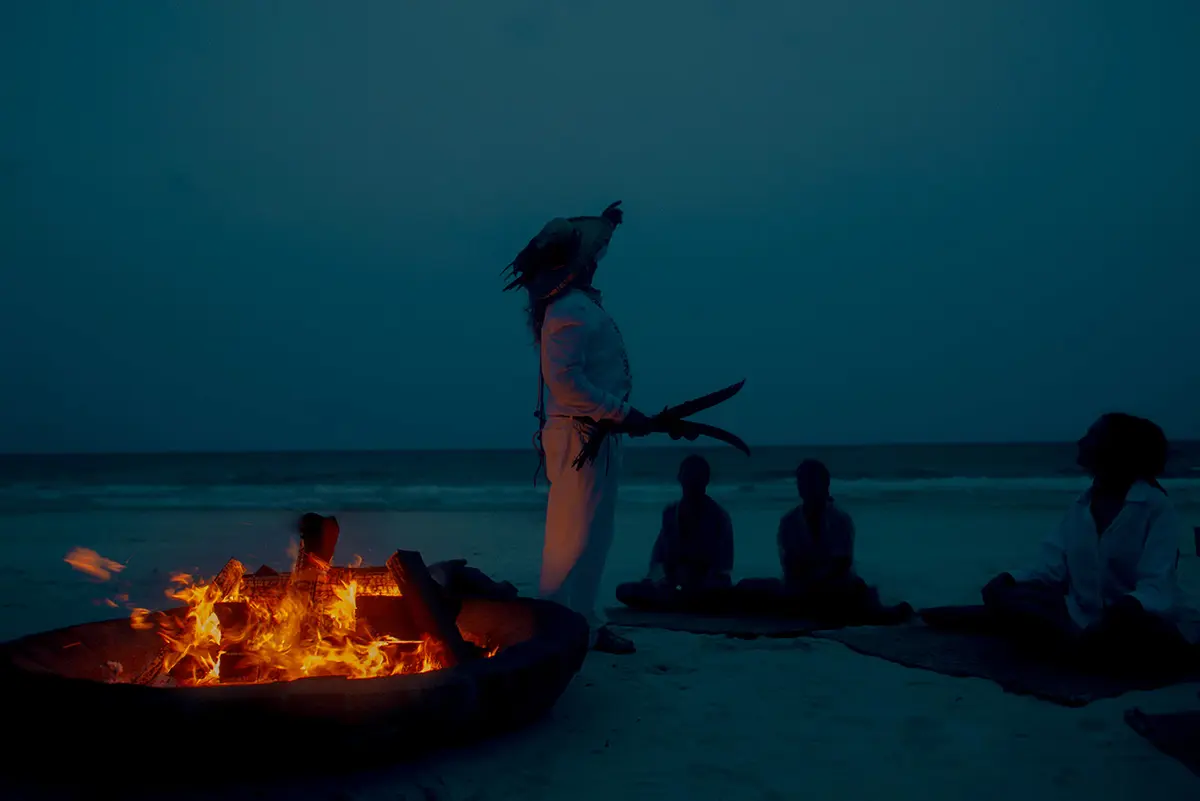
815, 467
537, 317
529, 263
1134, 445
699, 464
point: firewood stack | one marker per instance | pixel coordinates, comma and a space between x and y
223, 585
266, 584
434, 617
404, 587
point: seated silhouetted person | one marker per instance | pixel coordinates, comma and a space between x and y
692, 559
816, 554
816, 539
1104, 587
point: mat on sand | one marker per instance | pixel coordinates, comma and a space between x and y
730, 625
1176, 735
982, 656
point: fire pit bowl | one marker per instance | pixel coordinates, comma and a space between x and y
59, 700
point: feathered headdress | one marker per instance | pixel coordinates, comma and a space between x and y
565, 250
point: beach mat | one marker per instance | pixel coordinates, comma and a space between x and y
744, 627
1176, 734
968, 655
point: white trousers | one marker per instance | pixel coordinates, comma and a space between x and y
580, 517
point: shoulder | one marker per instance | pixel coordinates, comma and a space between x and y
791, 518
840, 516
719, 510
1152, 496
670, 509
1158, 504
571, 304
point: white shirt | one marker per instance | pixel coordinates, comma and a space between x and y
1138, 555
805, 558
584, 363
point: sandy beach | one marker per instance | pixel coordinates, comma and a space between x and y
688, 716
261, 259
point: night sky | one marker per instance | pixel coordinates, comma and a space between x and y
241, 226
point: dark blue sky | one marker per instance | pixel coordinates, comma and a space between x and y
280, 225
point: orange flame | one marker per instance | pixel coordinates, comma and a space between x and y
290, 637
292, 634
88, 561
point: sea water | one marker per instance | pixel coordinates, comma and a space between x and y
504, 480
933, 521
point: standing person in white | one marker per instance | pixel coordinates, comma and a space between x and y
586, 378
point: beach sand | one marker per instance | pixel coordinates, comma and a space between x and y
688, 716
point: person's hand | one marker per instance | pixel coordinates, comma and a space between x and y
636, 424
680, 430
613, 213
999, 584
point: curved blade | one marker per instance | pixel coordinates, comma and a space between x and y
712, 432
688, 408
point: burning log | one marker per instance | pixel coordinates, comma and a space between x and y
237, 666
424, 597
224, 583
318, 541
265, 587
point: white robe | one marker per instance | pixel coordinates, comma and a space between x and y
1138, 555
586, 370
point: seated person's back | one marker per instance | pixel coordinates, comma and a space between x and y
816, 539
694, 549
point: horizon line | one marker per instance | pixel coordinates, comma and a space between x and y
283, 451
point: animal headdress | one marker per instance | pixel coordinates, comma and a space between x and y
564, 253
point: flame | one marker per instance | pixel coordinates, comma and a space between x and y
85, 560
289, 637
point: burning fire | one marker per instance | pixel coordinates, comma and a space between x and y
291, 637
241, 637
88, 561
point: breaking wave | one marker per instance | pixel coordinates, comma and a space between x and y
62, 497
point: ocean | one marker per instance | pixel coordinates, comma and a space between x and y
504, 479
933, 521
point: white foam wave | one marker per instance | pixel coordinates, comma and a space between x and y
21, 498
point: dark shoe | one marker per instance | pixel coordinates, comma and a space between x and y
609, 642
